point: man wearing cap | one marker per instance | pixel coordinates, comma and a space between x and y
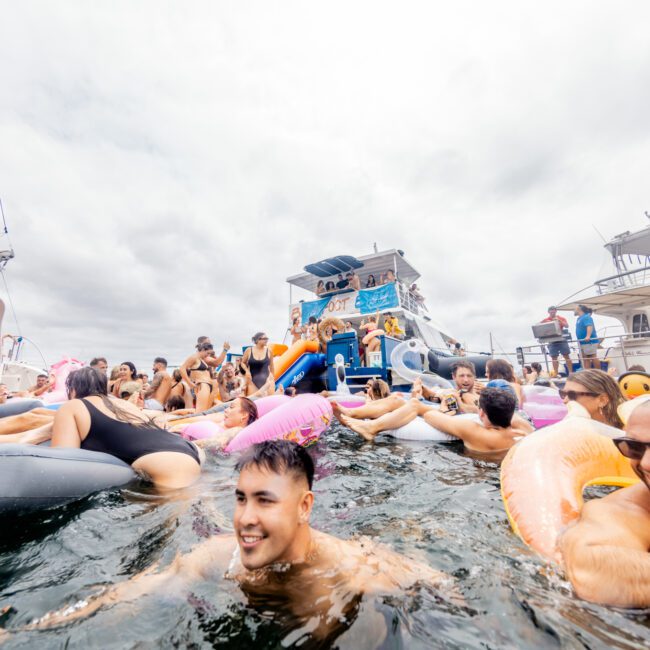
559, 347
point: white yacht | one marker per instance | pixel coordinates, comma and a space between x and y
625, 296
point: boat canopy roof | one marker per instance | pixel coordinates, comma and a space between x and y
613, 302
630, 243
375, 264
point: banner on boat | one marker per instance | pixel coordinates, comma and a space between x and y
366, 301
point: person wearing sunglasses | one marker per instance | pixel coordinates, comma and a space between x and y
606, 552
258, 362
597, 392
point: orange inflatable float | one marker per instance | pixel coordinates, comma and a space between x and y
544, 475
281, 364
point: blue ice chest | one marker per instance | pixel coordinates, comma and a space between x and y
347, 345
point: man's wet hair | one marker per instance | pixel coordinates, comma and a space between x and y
279, 457
96, 361
499, 405
161, 360
463, 364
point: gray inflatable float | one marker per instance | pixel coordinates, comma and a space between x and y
35, 477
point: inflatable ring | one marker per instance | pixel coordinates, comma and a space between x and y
418, 429
34, 477
543, 476
372, 335
325, 324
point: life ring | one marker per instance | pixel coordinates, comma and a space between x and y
419, 429
372, 335
543, 476
325, 324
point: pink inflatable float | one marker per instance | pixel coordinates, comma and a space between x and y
60, 370
543, 405
301, 419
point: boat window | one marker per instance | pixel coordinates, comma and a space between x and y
640, 327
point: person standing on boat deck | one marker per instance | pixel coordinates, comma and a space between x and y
320, 288
196, 372
371, 282
388, 277
312, 329
355, 282
587, 337
391, 325
126, 372
99, 364
330, 287
160, 387
342, 283
559, 347
258, 361
296, 330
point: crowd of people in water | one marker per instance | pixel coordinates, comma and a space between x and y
134, 416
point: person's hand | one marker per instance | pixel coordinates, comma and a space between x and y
478, 387
226, 346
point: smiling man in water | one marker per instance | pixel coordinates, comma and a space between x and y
606, 553
275, 556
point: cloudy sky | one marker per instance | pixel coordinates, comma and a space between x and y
164, 166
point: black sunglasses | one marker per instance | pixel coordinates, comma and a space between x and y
631, 448
574, 394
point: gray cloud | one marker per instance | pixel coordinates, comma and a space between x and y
165, 168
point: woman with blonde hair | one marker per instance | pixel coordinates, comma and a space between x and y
597, 392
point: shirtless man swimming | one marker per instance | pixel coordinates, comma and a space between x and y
498, 430
275, 556
467, 392
606, 552
155, 396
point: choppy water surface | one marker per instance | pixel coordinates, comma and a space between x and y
427, 501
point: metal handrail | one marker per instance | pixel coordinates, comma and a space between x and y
643, 335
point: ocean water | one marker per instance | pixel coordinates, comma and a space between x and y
428, 501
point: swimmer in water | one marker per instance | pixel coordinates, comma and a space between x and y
605, 552
276, 557
498, 430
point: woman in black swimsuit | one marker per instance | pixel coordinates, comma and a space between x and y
258, 362
94, 421
196, 372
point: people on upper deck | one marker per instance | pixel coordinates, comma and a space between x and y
320, 288
388, 277
342, 282
330, 287
417, 296
587, 337
371, 282
354, 281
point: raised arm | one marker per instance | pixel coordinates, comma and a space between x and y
454, 426
606, 552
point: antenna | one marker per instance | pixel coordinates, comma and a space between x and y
5, 255
599, 233
375, 247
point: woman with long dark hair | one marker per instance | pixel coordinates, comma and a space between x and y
126, 373
92, 420
258, 362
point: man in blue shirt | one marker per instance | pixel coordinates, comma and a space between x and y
587, 337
